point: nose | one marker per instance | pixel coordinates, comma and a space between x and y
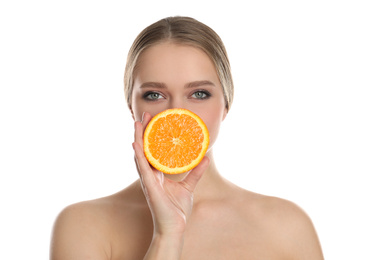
176, 102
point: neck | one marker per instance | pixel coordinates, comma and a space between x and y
210, 185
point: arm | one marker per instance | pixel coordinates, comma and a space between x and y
165, 247
170, 202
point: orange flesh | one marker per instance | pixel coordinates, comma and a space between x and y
183, 145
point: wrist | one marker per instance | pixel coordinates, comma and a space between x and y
166, 246
168, 235
172, 232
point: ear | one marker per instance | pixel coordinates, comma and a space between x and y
132, 114
225, 113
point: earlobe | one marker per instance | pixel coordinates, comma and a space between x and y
132, 114
225, 112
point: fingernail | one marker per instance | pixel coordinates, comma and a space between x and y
143, 114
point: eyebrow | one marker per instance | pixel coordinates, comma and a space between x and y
193, 84
153, 85
199, 83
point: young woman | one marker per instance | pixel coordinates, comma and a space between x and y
179, 62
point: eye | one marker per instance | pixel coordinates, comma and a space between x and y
152, 96
201, 94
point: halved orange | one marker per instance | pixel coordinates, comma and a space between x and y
175, 141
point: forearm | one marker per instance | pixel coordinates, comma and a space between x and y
165, 247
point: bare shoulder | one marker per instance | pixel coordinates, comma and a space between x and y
77, 233
288, 224
86, 230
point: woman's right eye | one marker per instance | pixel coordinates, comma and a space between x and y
152, 96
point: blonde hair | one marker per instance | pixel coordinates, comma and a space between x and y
181, 30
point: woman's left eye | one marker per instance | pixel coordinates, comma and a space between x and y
201, 95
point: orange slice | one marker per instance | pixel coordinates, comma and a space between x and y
175, 141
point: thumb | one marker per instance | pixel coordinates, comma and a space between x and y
192, 178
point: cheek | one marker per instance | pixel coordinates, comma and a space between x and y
138, 107
213, 121
213, 128
135, 110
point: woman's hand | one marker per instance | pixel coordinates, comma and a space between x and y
170, 202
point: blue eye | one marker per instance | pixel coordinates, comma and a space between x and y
201, 94
152, 96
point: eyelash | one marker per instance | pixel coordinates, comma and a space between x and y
147, 94
207, 93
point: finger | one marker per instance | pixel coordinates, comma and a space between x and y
146, 117
140, 126
143, 167
151, 184
191, 180
138, 133
139, 174
137, 168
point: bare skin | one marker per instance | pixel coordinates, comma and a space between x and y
227, 223
193, 216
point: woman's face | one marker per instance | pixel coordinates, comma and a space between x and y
170, 75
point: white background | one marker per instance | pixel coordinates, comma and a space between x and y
298, 128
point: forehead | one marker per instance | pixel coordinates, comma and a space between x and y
170, 62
